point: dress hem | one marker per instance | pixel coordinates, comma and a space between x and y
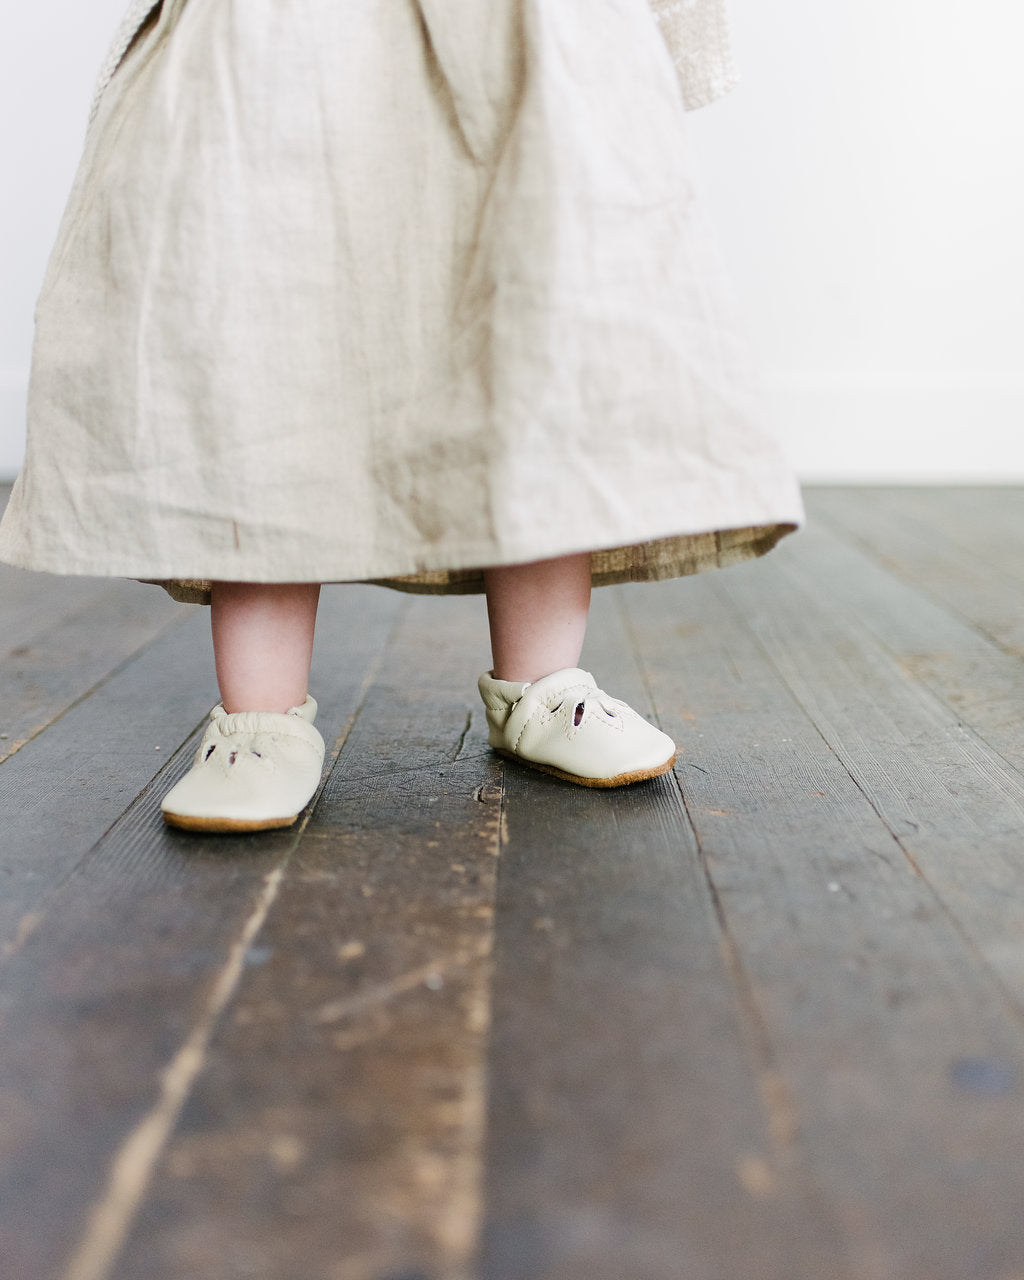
658, 558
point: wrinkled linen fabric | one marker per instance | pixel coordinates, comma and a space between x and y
697, 33
389, 291
699, 38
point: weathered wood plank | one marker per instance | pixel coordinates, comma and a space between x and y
935, 642
940, 789
885, 1027
981, 520
790, 1046
983, 687
637, 1127
36, 607
109, 1004
967, 558
62, 791
33, 603
337, 1130
49, 663
60, 636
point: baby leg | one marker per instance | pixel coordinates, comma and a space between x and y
541, 708
260, 759
538, 615
263, 643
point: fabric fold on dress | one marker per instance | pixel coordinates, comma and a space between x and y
391, 292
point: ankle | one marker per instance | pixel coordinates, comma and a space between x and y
239, 700
526, 674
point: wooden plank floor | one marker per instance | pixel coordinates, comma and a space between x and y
759, 1020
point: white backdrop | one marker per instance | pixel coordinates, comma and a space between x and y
867, 181
868, 184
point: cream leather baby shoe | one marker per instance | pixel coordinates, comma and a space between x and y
565, 725
254, 770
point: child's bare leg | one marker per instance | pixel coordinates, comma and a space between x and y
263, 643
538, 615
256, 768
539, 709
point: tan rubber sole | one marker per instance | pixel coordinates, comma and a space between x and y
620, 779
226, 826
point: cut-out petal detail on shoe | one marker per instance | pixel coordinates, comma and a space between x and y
565, 725
268, 771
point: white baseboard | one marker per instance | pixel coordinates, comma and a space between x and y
836, 429
961, 429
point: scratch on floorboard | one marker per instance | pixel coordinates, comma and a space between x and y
27, 926
380, 993
133, 1166
463, 736
779, 1105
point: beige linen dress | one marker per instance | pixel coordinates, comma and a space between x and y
391, 290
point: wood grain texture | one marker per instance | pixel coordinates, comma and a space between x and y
129, 959
764, 1020
636, 1126
963, 548
978, 678
53, 660
803, 787
64, 790
982, 687
337, 1131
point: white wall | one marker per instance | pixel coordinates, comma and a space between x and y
867, 179
50, 53
868, 185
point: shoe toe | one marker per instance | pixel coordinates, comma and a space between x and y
564, 724
250, 778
